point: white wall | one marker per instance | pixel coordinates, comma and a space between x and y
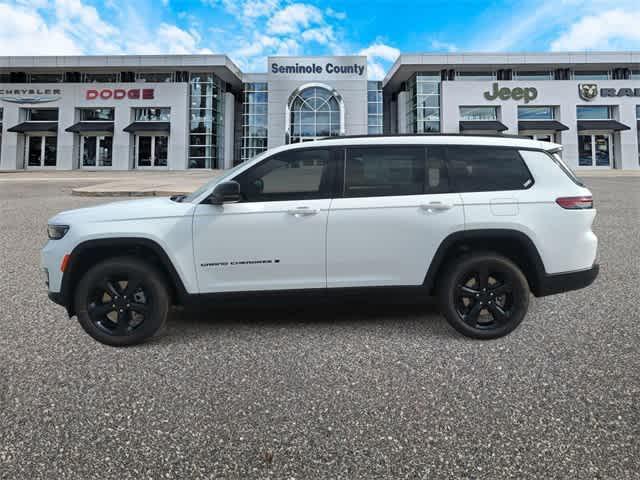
560, 93
172, 95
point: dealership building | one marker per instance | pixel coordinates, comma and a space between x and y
180, 112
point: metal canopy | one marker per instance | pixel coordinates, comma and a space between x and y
483, 125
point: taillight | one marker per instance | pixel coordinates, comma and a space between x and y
575, 203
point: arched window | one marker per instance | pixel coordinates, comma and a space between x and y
314, 112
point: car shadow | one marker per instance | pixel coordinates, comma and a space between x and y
422, 317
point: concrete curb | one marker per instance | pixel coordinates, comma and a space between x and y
79, 192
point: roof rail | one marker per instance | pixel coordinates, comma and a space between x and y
487, 135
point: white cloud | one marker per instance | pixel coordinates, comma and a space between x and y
293, 18
380, 50
332, 13
71, 27
259, 8
607, 30
443, 46
25, 32
379, 56
321, 35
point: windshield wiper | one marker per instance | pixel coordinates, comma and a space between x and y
178, 198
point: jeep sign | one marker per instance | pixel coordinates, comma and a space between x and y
517, 93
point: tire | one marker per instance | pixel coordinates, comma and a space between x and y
122, 301
484, 295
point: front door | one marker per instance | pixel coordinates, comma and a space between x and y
151, 150
41, 151
275, 238
96, 151
396, 209
595, 150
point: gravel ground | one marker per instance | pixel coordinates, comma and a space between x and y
322, 392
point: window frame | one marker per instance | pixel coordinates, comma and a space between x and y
453, 183
333, 158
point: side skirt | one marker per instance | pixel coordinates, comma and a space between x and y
379, 295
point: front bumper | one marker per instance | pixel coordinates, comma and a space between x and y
565, 282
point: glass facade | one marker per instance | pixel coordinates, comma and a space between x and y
101, 77
374, 108
97, 114
157, 77
152, 114
476, 75
254, 120
314, 113
533, 75
42, 114
478, 113
591, 75
594, 112
206, 120
423, 103
536, 113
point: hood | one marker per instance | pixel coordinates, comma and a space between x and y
140, 209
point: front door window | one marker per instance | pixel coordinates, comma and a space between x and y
152, 150
41, 151
96, 151
595, 150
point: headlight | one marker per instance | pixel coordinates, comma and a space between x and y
56, 232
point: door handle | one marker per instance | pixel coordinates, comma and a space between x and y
434, 207
303, 211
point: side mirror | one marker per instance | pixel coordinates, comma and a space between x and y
225, 192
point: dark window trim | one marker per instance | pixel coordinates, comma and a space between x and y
332, 173
454, 183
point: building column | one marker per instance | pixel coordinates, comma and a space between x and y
12, 149
626, 155
402, 112
229, 117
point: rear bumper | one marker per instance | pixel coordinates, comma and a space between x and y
565, 282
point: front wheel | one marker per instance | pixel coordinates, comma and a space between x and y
122, 301
484, 295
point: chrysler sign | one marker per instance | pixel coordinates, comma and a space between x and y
30, 95
120, 94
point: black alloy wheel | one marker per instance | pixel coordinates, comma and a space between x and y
122, 301
484, 295
118, 305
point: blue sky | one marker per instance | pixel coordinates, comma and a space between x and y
250, 30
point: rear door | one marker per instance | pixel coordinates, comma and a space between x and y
393, 210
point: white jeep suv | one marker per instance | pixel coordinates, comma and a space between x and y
477, 221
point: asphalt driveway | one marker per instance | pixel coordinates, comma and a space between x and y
333, 392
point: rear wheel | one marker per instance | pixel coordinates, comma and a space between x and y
122, 301
484, 295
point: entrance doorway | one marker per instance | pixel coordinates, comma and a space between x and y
151, 151
96, 151
41, 151
595, 150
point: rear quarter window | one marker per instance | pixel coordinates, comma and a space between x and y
487, 169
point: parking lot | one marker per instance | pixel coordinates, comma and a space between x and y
333, 392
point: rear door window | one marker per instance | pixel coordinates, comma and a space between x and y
487, 169
384, 171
